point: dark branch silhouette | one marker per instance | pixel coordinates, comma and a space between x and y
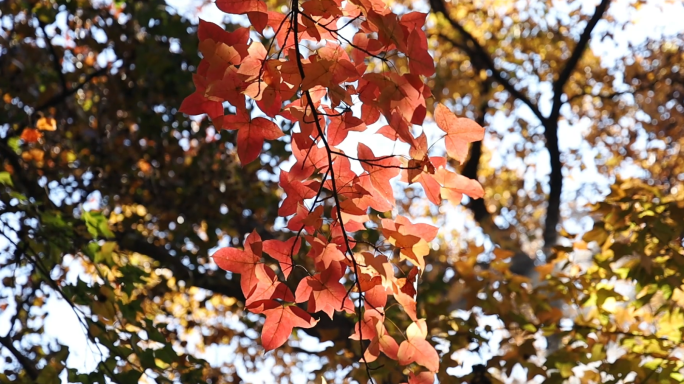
482, 60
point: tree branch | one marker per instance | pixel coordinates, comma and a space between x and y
216, 283
521, 263
53, 53
337, 330
551, 129
57, 99
481, 59
574, 59
25, 362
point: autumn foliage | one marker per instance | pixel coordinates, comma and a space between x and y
315, 78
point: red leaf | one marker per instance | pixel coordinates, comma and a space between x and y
420, 61
229, 86
366, 329
251, 134
409, 283
455, 185
238, 7
240, 262
280, 320
340, 126
296, 191
330, 254
416, 349
376, 297
327, 293
283, 251
268, 287
381, 170
459, 132
408, 303
209, 30
308, 221
421, 378
259, 20
389, 31
197, 104
309, 158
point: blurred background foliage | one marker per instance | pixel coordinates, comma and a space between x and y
111, 202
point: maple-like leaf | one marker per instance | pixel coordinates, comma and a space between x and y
251, 134
416, 349
283, 251
330, 253
325, 292
197, 104
420, 61
46, 124
454, 186
241, 262
460, 132
281, 319
209, 30
408, 303
411, 239
407, 284
239, 7
310, 158
421, 378
296, 191
30, 135
307, 220
267, 287
376, 297
382, 342
380, 170
421, 169
389, 31
340, 126
366, 329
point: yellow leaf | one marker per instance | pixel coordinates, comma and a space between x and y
502, 254
544, 270
46, 124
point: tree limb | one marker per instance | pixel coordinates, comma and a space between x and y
337, 330
25, 362
574, 59
551, 129
57, 99
53, 53
481, 59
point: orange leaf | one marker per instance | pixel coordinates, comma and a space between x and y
416, 349
46, 124
459, 132
280, 321
30, 135
251, 134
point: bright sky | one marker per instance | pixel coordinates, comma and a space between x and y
652, 20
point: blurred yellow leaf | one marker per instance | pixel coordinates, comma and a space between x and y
46, 124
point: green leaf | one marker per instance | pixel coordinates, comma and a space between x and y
131, 376
97, 224
6, 179
104, 256
14, 143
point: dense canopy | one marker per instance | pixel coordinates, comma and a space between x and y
570, 268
